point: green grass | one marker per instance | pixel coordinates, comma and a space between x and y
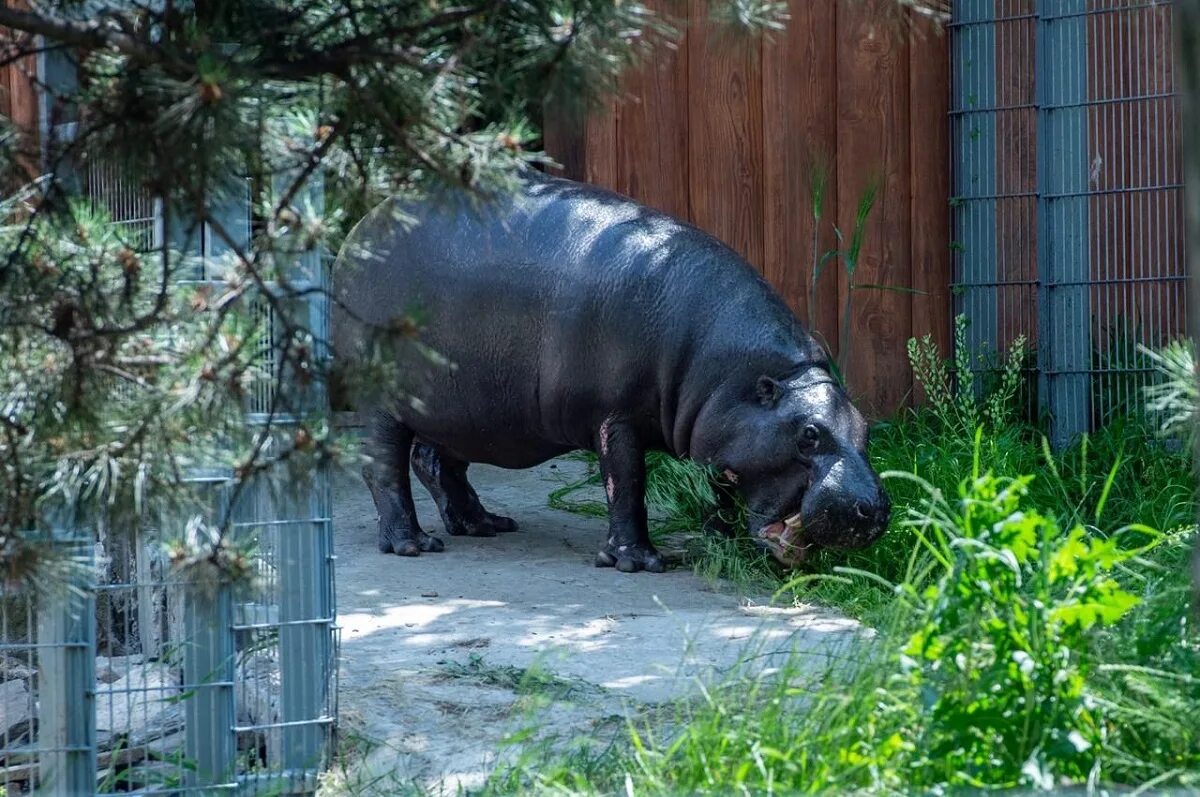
1151, 485
1113, 698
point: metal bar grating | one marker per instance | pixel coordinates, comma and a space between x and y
1066, 204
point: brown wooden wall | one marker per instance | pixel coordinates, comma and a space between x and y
18, 89
726, 134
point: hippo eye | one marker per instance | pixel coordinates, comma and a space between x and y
809, 437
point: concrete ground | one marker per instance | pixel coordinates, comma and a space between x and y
445, 655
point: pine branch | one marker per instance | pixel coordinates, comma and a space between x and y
90, 35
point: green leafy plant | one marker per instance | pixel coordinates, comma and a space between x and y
1121, 370
850, 259
1001, 659
849, 252
1174, 400
818, 183
993, 668
952, 396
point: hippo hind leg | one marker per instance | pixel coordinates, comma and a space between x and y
391, 489
445, 477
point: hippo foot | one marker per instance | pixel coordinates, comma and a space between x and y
631, 558
490, 526
408, 543
500, 523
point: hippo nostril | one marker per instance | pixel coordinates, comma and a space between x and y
862, 510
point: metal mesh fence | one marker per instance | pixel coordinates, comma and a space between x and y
1067, 206
129, 680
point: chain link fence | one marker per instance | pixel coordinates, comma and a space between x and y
1067, 204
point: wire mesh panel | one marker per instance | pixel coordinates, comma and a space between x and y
132, 680
47, 644
133, 212
18, 714
1067, 208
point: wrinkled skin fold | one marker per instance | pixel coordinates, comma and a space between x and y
568, 317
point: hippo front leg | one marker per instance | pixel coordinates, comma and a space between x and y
623, 468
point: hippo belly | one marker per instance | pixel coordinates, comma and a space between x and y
473, 383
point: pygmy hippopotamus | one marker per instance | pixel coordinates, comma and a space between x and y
564, 317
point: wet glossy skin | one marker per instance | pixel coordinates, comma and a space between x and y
573, 318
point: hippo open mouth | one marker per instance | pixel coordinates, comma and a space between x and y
784, 539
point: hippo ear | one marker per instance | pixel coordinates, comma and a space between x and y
768, 391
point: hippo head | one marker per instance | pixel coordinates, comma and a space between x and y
800, 461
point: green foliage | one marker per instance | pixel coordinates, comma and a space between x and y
998, 664
1000, 656
114, 382
952, 396
680, 492
849, 253
682, 502
1017, 644
752, 16
1173, 402
1122, 368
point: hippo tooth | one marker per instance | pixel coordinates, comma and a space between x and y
793, 522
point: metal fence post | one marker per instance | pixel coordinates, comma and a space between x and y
973, 154
230, 208
210, 742
304, 634
67, 670
1064, 332
306, 600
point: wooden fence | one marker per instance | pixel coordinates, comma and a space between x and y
728, 134
18, 98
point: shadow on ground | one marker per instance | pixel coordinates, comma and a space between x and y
440, 653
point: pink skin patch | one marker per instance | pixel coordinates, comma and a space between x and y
731, 476
605, 433
785, 543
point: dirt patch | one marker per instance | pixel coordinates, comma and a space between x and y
447, 655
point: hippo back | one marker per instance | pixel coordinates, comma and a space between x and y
554, 308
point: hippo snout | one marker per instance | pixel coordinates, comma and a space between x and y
848, 519
856, 526
828, 518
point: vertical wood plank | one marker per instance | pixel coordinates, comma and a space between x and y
652, 127
564, 139
600, 147
799, 76
725, 159
5, 92
1015, 211
19, 95
23, 105
929, 106
873, 145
